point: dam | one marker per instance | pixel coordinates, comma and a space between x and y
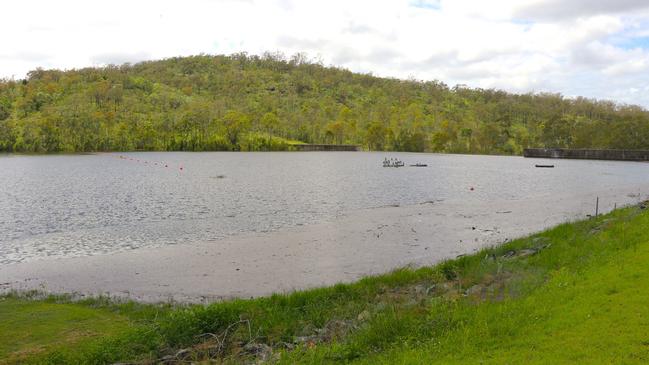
587, 154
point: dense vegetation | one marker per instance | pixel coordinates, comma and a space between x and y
574, 294
238, 102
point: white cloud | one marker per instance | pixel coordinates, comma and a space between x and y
561, 9
574, 47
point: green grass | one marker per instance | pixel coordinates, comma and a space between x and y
590, 313
29, 328
581, 297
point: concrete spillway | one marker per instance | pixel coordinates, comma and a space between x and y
326, 147
587, 154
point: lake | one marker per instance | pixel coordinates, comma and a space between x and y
78, 205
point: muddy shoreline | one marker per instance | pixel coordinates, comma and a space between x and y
354, 245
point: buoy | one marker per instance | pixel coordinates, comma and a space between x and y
471, 188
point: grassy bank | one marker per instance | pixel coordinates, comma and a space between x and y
577, 293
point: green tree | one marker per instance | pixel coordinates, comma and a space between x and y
376, 133
235, 123
270, 122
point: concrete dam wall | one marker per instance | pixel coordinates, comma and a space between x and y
326, 147
587, 154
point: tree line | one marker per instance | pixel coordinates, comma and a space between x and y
270, 102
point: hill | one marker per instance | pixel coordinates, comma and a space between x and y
243, 102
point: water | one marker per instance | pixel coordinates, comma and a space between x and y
75, 205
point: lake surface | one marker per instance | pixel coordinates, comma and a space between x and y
76, 205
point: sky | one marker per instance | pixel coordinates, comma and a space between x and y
593, 48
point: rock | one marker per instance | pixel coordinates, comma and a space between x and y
447, 285
474, 290
527, 252
182, 352
260, 350
420, 290
306, 339
452, 295
334, 328
364, 316
168, 359
509, 254
594, 231
289, 346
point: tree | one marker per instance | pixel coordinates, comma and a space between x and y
375, 139
336, 131
5, 109
270, 122
235, 123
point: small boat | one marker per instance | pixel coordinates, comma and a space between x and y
545, 166
419, 165
393, 163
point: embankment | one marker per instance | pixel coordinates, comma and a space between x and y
587, 154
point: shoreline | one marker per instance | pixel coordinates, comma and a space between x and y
568, 278
345, 249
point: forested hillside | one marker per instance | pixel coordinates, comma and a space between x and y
243, 102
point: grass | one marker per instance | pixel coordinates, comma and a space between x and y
29, 328
594, 310
577, 293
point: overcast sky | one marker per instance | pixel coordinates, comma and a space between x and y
594, 48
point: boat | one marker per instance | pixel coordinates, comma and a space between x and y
545, 166
393, 163
419, 165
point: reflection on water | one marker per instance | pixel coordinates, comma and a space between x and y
66, 205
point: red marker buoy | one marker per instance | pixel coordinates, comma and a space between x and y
471, 188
